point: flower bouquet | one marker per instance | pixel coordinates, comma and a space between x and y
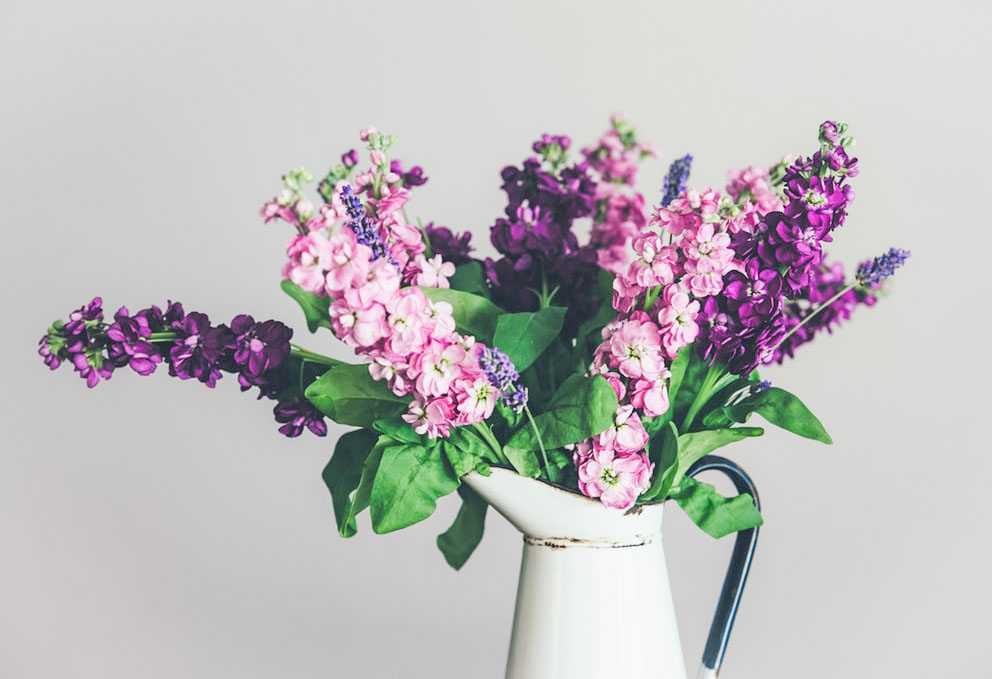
606, 368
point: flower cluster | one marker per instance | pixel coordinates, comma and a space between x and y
191, 348
754, 184
871, 274
676, 179
541, 255
452, 248
621, 211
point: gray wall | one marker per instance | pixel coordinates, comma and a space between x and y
152, 528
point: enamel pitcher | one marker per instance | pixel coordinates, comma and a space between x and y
593, 599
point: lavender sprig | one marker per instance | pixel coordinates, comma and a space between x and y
871, 274
366, 232
677, 178
502, 374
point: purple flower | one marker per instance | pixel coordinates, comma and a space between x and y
452, 248
754, 296
871, 274
297, 414
503, 375
410, 178
259, 347
678, 176
349, 159
199, 349
366, 232
127, 342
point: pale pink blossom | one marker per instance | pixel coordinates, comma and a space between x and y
617, 479
703, 278
367, 132
311, 256
677, 319
627, 435
635, 347
358, 327
432, 418
438, 367
433, 272
651, 396
477, 399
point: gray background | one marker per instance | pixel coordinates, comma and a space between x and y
154, 528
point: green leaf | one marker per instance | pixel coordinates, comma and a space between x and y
465, 451
582, 407
719, 418
666, 464
407, 485
470, 277
340, 477
315, 308
695, 445
395, 428
348, 395
524, 460
458, 542
678, 369
688, 387
474, 315
714, 513
524, 336
784, 410
344, 472
605, 313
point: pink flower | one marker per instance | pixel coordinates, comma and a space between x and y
635, 347
367, 132
615, 478
655, 264
651, 396
704, 277
392, 371
348, 262
434, 272
627, 435
477, 399
438, 367
432, 418
408, 332
705, 203
677, 319
705, 243
310, 257
358, 327
440, 320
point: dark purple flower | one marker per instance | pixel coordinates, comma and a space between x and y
452, 248
259, 347
754, 295
678, 176
296, 414
199, 349
349, 159
127, 342
410, 178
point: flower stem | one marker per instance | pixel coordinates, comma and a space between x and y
815, 311
716, 379
162, 337
312, 357
540, 441
488, 437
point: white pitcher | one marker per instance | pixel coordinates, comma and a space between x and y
593, 599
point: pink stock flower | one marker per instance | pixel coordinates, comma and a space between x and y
358, 327
440, 321
477, 399
656, 262
438, 367
391, 371
677, 319
706, 244
703, 278
432, 418
635, 347
651, 396
367, 132
627, 435
434, 272
615, 478
310, 257
705, 203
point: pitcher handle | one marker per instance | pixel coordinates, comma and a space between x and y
740, 564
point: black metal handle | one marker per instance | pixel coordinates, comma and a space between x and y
740, 564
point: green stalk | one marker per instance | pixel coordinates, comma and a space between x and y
312, 357
487, 435
716, 378
540, 441
817, 310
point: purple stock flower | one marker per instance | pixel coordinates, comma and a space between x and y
871, 274
754, 296
259, 347
127, 342
349, 159
503, 375
410, 178
297, 414
452, 248
199, 349
678, 176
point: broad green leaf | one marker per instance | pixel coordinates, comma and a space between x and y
474, 315
604, 314
465, 451
678, 369
315, 308
688, 388
355, 503
407, 485
401, 431
695, 445
719, 418
582, 407
524, 336
784, 410
666, 463
470, 277
348, 395
714, 513
458, 542
344, 472
524, 461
